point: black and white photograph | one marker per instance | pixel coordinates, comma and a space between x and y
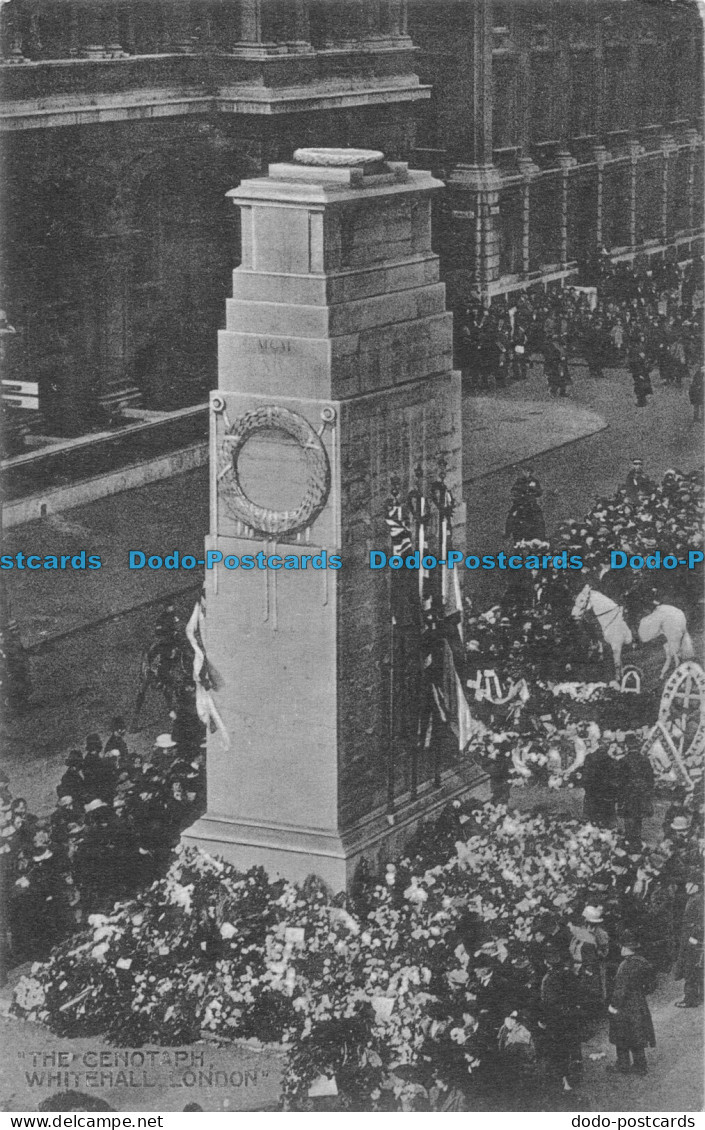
352, 686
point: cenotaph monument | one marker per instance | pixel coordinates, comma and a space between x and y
335, 380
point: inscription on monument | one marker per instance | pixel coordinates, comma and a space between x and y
273, 345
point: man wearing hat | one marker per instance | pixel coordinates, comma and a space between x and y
631, 1028
689, 966
637, 483
163, 755
589, 949
678, 866
100, 773
116, 741
73, 782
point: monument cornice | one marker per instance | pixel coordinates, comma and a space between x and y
266, 193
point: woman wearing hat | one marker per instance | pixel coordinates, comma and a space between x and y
631, 1027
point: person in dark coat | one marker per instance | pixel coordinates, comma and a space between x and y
555, 367
678, 867
117, 741
73, 782
560, 1023
637, 483
525, 521
635, 798
520, 353
631, 1028
689, 965
499, 765
598, 778
101, 775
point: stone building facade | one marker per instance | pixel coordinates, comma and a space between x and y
125, 123
557, 126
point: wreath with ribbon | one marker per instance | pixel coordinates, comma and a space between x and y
262, 519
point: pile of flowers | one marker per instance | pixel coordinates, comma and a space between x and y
549, 755
391, 998
603, 703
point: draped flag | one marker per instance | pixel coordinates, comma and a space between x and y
431, 599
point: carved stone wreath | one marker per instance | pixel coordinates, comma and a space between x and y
262, 519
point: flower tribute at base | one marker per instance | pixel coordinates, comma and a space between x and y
394, 993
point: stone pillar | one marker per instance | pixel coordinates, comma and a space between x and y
634, 149
180, 39
130, 43
694, 143
523, 99
34, 35
11, 34
528, 171
251, 41
92, 30
393, 24
669, 152
475, 183
300, 44
74, 32
113, 47
335, 373
600, 76
566, 162
394, 17
112, 386
481, 124
371, 26
601, 158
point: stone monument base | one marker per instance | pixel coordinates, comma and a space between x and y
296, 852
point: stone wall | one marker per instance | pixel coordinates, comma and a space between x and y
559, 127
120, 244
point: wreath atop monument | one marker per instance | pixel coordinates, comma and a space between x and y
262, 519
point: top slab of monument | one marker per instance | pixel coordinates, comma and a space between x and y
353, 168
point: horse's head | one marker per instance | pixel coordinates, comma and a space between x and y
582, 603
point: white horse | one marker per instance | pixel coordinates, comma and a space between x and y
666, 620
610, 618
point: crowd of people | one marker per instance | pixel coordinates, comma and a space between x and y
642, 316
591, 966
115, 824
